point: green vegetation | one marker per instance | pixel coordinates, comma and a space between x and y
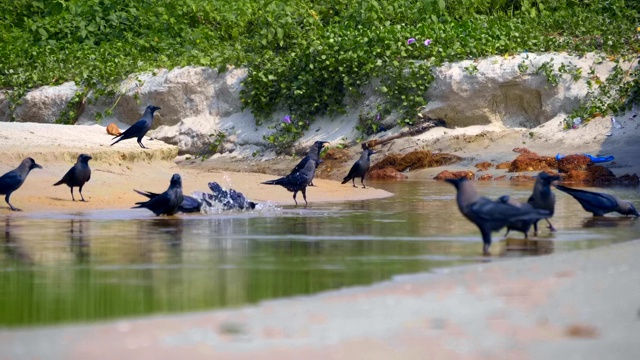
612, 95
304, 56
286, 133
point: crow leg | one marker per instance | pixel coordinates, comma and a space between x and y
80, 191
486, 241
304, 195
362, 182
6, 198
551, 228
485, 250
294, 197
535, 228
353, 181
140, 143
71, 189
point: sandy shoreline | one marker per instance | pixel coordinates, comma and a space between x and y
111, 187
117, 170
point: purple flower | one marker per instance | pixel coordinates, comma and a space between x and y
411, 41
378, 117
427, 42
287, 119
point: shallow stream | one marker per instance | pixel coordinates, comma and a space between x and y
87, 266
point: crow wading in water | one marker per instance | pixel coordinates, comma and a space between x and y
189, 204
543, 198
12, 180
359, 168
166, 203
489, 215
140, 128
220, 198
599, 203
522, 225
297, 181
78, 175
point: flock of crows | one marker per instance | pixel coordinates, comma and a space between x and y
173, 200
488, 215
492, 215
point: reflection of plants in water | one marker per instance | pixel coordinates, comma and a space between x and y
188, 263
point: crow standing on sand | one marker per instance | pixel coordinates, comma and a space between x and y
78, 175
359, 168
312, 154
140, 128
599, 203
489, 215
543, 198
166, 203
297, 181
12, 180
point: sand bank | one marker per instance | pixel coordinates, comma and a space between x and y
117, 170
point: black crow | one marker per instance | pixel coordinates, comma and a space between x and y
543, 198
297, 181
12, 180
166, 203
78, 175
140, 128
599, 203
359, 168
489, 215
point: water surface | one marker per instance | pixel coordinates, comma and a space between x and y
87, 266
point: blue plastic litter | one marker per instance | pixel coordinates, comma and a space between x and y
595, 159
600, 159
